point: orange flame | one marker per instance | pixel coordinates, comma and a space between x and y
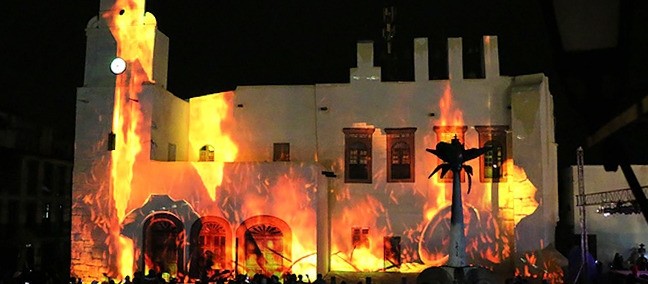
517, 193
537, 266
127, 257
366, 253
289, 194
516, 200
135, 46
450, 119
207, 115
450, 114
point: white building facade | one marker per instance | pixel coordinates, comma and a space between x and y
303, 178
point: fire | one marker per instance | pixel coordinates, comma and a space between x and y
252, 190
449, 125
127, 255
365, 251
135, 46
535, 265
489, 236
207, 116
450, 114
517, 193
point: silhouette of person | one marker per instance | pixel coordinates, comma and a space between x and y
319, 279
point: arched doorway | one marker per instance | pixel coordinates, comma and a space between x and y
163, 243
264, 245
210, 246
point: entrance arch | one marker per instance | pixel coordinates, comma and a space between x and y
163, 243
264, 245
210, 246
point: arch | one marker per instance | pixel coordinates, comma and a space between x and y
135, 223
210, 246
264, 245
163, 243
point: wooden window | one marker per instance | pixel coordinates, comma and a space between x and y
400, 153
357, 155
360, 237
281, 152
491, 164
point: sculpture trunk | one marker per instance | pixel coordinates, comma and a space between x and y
457, 255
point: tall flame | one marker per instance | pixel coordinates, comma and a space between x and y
450, 120
135, 46
450, 114
207, 116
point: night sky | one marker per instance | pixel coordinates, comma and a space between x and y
594, 52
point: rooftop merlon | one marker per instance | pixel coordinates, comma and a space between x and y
365, 70
466, 59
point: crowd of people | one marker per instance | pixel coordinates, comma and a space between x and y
226, 278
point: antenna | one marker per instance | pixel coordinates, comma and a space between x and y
389, 30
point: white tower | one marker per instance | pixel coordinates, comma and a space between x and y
93, 204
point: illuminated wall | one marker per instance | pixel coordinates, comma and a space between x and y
163, 183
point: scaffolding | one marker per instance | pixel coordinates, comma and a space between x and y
623, 195
584, 246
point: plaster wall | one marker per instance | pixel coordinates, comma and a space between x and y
311, 119
169, 125
265, 115
535, 150
617, 233
91, 173
103, 48
160, 59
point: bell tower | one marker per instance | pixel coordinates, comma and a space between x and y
147, 47
126, 56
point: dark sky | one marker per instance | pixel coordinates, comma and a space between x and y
594, 51
216, 45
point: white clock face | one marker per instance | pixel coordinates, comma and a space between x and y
118, 66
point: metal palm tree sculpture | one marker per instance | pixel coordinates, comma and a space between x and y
454, 155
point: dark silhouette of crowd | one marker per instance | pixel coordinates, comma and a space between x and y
226, 278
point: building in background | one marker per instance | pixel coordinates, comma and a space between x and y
613, 218
35, 190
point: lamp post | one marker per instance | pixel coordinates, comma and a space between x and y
454, 155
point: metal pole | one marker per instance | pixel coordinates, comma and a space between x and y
457, 256
581, 202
